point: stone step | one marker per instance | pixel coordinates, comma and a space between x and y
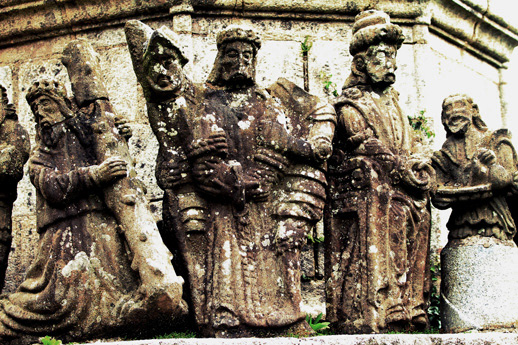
363, 339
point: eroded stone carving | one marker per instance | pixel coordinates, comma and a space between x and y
242, 169
477, 175
378, 220
14, 152
101, 267
475, 170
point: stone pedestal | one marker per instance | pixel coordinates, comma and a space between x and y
479, 289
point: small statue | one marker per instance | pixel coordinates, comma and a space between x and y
243, 174
14, 152
101, 267
377, 223
475, 171
478, 179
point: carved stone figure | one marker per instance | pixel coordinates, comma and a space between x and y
14, 152
377, 223
475, 170
242, 170
101, 267
477, 175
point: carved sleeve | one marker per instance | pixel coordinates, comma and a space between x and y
58, 187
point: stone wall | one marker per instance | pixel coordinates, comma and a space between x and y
451, 46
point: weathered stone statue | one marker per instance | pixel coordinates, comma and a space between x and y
100, 268
476, 171
377, 223
14, 152
242, 171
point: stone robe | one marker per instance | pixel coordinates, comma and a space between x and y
485, 213
81, 278
376, 226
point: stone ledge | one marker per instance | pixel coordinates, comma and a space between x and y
363, 339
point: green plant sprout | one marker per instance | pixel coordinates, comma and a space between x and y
420, 124
315, 240
47, 340
305, 46
316, 323
328, 84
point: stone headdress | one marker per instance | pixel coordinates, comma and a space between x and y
168, 39
372, 27
231, 34
55, 91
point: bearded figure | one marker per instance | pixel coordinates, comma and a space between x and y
252, 188
377, 224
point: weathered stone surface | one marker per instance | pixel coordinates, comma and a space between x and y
242, 169
14, 152
370, 339
479, 285
377, 221
100, 266
476, 173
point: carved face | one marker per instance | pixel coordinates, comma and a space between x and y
47, 111
165, 70
237, 63
457, 115
380, 64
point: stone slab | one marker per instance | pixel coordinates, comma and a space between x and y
363, 339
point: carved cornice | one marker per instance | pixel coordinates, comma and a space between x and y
470, 24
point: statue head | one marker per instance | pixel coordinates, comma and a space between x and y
163, 62
49, 102
235, 63
374, 47
459, 112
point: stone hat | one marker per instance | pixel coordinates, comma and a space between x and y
46, 87
372, 27
168, 38
238, 33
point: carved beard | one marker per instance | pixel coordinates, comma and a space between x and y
50, 135
237, 79
243, 78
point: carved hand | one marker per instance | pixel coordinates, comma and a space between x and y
322, 149
486, 156
419, 175
123, 127
110, 170
215, 144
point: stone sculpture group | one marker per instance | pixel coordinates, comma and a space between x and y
247, 172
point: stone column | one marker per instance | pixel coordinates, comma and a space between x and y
479, 289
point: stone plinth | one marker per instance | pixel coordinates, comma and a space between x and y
363, 339
479, 288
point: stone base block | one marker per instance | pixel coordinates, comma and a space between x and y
479, 289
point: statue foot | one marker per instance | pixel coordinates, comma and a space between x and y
420, 322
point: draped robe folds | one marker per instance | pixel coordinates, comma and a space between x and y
485, 216
81, 276
236, 278
376, 228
